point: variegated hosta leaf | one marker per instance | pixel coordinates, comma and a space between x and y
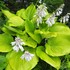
53, 61
16, 63
59, 45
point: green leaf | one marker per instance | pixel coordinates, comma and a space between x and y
36, 37
16, 21
3, 62
9, 29
13, 19
5, 42
30, 11
8, 14
8, 67
30, 28
46, 34
59, 45
21, 13
17, 63
53, 61
58, 27
2, 21
28, 41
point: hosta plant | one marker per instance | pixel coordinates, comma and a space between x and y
24, 33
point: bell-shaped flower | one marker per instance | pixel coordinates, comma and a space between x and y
27, 56
41, 11
39, 20
17, 44
65, 19
59, 10
50, 21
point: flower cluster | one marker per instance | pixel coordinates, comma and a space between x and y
27, 56
50, 21
59, 10
41, 12
65, 19
17, 45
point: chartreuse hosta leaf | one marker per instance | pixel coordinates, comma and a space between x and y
21, 13
13, 19
5, 30
58, 27
28, 41
16, 21
8, 67
5, 40
30, 28
36, 37
59, 45
53, 61
46, 34
8, 14
16, 63
30, 11
11, 30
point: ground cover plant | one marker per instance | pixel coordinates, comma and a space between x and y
32, 39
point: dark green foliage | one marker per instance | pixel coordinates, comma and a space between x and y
2, 62
53, 4
16, 5
2, 5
